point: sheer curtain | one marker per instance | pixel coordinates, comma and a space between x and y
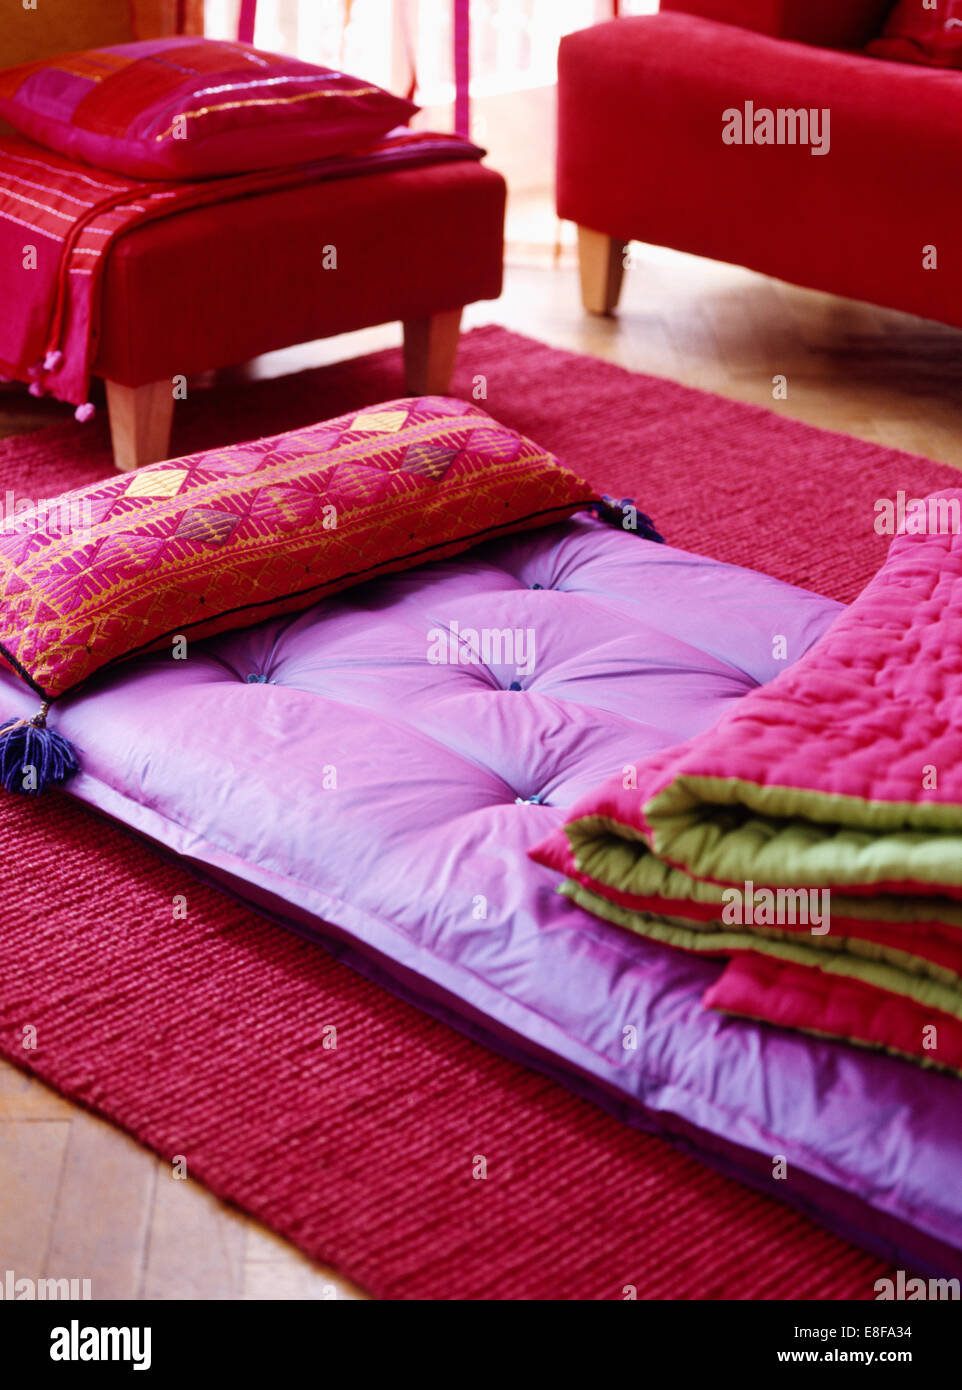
357, 35
514, 47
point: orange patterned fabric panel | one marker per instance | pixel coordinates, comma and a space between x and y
217, 540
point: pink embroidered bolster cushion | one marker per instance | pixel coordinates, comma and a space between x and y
187, 108
217, 540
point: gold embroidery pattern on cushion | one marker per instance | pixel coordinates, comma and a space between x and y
380, 421
161, 484
263, 101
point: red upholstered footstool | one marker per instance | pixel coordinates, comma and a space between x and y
218, 285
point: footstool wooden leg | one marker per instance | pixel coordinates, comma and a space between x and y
601, 260
430, 346
140, 420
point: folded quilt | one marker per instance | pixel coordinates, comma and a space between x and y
814, 835
59, 218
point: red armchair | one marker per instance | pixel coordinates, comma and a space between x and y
641, 154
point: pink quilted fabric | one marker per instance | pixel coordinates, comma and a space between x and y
876, 701
842, 774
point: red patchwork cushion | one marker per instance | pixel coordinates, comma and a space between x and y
186, 108
914, 34
217, 540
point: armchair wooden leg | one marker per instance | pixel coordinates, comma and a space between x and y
140, 420
430, 346
601, 261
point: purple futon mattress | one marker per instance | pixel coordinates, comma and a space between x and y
345, 773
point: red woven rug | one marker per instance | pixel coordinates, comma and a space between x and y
204, 1037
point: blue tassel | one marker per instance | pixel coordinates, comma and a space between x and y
33, 757
613, 513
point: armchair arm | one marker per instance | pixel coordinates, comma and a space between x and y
827, 23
